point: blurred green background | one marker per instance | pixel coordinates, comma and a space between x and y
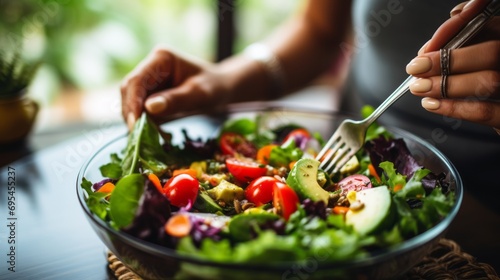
90, 44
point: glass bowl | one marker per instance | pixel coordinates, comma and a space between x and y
152, 261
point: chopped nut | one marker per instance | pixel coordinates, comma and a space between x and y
237, 206
342, 200
357, 205
247, 205
334, 197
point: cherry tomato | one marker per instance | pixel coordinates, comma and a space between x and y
285, 200
245, 169
298, 135
356, 182
264, 153
260, 190
232, 143
181, 190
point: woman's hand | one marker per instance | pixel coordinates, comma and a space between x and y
473, 85
166, 83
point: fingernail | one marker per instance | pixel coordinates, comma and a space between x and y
156, 104
130, 121
457, 9
468, 5
430, 103
419, 65
421, 85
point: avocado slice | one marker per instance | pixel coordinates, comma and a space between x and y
375, 211
303, 179
351, 166
204, 203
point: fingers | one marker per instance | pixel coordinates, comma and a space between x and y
458, 8
472, 87
453, 25
471, 72
480, 85
463, 60
161, 69
197, 94
152, 72
132, 99
482, 112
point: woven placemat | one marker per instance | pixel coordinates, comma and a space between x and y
445, 261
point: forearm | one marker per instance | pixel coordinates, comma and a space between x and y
305, 48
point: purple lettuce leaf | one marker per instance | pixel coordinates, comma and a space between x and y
199, 147
96, 186
151, 216
396, 151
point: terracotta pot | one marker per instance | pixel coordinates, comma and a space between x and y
17, 116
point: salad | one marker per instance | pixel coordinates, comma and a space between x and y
252, 194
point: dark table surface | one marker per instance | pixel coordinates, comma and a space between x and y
53, 240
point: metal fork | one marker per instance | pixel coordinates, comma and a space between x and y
350, 135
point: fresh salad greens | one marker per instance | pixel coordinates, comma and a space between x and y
253, 194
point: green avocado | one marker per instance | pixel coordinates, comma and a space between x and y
204, 203
373, 211
303, 179
227, 192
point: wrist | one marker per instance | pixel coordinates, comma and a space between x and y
270, 64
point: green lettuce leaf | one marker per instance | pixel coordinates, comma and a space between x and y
144, 150
95, 200
124, 199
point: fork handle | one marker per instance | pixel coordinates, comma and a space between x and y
467, 32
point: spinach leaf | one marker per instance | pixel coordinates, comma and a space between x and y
95, 200
144, 150
124, 199
113, 169
241, 126
284, 154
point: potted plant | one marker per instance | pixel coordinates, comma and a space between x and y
17, 111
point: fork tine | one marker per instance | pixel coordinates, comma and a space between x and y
328, 157
326, 147
343, 161
334, 163
334, 153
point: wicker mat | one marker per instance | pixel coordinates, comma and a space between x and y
446, 261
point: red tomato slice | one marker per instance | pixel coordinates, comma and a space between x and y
260, 190
245, 169
181, 190
285, 200
298, 134
356, 182
232, 143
